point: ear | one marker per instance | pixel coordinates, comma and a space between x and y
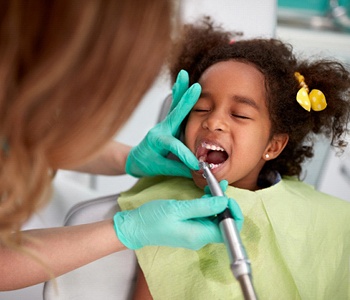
275, 146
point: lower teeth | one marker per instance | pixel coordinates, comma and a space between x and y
213, 166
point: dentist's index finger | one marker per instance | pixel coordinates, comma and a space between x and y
175, 146
179, 88
202, 207
189, 99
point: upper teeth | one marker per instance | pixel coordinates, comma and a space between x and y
212, 147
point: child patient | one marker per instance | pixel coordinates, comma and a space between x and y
255, 121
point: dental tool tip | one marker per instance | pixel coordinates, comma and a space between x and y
203, 165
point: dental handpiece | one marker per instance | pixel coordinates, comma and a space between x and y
240, 264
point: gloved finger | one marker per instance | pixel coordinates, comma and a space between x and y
185, 155
211, 230
175, 146
174, 168
198, 208
236, 213
162, 165
223, 185
182, 109
179, 88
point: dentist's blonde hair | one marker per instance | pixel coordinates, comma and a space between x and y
71, 73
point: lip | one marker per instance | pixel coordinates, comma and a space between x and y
203, 146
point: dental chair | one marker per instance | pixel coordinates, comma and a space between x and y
112, 275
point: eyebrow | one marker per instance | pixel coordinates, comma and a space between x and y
237, 99
246, 101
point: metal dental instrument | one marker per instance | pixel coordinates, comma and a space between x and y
240, 264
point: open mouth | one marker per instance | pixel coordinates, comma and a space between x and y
212, 154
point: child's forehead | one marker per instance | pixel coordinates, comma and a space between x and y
232, 67
235, 80
233, 74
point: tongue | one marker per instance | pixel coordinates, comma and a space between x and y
216, 157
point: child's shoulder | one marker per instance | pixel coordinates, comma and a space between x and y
306, 192
293, 201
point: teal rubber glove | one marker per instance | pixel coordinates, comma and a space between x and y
149, 158
171, 223
232, 204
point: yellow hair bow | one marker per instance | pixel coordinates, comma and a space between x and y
314, 100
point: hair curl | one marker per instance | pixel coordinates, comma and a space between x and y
201, 45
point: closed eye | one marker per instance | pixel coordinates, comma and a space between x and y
240, 117
201, 110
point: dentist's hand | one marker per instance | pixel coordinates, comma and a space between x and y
150, 156
232, 204
171, 223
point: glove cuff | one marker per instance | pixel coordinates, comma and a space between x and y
118, 224
131, 163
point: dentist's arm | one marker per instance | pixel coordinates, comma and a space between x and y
59, 250
109, 161
149, 157
161, 222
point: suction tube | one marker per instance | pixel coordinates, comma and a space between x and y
240, 264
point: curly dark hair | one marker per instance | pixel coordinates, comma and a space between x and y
201, 45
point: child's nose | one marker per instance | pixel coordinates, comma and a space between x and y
216, 122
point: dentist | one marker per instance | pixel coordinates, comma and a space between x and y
71, 73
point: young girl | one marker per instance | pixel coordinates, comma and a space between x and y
254, 122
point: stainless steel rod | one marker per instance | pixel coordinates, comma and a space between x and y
240, 264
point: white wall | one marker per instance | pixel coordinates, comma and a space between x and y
253, 17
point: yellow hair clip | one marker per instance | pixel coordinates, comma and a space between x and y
314, 100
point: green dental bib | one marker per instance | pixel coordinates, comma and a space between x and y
297, 239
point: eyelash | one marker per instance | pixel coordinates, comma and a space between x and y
233, 115
240, 117
201, 110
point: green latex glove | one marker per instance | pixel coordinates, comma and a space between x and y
232, 204
171, 223
149, 158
